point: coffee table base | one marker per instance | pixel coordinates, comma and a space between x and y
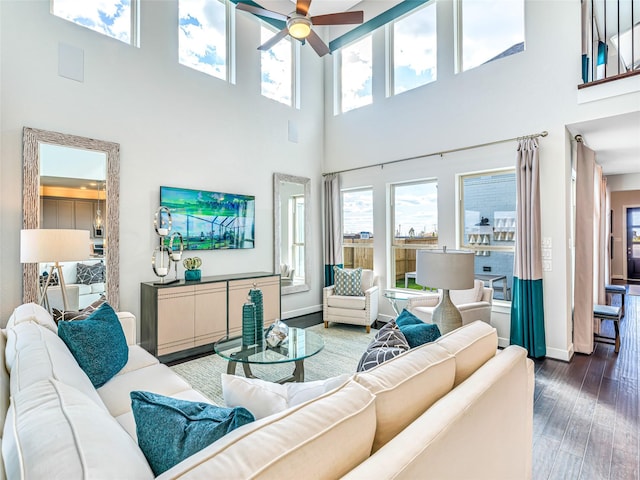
297, 376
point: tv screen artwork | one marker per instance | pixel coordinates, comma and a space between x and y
210, 220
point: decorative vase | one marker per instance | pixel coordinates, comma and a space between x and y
255, 294
249, 324
192, 275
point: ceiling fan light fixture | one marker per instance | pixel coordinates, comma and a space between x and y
299, 27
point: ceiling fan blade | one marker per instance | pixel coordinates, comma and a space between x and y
261, 11
344, 18
317, 44
273, 40
302, 7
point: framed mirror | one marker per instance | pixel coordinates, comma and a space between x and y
103, 213
292, 231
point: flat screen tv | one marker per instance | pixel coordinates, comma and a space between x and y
210, 220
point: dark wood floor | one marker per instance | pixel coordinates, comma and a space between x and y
586, 420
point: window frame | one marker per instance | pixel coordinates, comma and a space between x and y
295, 69
338, 64
390, 74
369, 245
393, 246
134, 23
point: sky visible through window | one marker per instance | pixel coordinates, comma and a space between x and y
357, 74
415, 49
109, 17
357, 211
203, 36
415, 209
276, 67
489, 28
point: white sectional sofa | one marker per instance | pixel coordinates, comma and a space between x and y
455, 408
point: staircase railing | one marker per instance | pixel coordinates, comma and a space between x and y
610, 39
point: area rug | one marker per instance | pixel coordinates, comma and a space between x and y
343, 347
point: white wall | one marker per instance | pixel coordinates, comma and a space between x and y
175, 127
522, 94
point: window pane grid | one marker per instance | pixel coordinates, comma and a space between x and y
113, 18
356, 73
277, 68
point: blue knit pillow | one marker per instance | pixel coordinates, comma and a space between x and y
97, 343
348, 282
415, 330
170, 430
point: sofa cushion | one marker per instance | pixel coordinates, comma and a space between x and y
351, 303
97, 343
35, 353
327, 436
367, 279
89, 274
156, 378
471, 295
31, 312
415, 330
348, 282
54, 431
389, 342
170, 430
472, 345
138, 358
406, 386
264, 398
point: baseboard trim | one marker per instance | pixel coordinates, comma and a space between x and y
300, 311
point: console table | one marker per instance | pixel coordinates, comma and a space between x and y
183, 319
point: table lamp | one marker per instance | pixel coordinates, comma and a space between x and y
447, 270
54, 246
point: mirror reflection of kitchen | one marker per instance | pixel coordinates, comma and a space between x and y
292, 233
73, 196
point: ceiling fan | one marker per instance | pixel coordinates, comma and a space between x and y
299, 24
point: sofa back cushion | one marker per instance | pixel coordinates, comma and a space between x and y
54, 431
32, 312
406, 386
323, 438
368, 278
472, 346
471, 295
4, 380
34, 353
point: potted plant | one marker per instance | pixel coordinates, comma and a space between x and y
192, 265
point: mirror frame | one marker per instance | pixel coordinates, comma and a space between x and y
32, 138
279, 178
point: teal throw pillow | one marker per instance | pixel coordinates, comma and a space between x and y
415, 330
170, 430
348, 282
97, 343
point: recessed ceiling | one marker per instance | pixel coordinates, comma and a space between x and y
615, 140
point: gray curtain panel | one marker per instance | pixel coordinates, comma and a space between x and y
583, 298
332, 227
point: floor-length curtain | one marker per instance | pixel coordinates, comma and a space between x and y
527, 305
584, 251
332, 227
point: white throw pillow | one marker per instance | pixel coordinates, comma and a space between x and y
264, 398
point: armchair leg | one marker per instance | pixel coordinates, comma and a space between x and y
326, 324
368, 327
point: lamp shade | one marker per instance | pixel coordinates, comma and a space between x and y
446, 269
53, 245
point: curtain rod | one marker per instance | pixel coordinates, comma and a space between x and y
480, 145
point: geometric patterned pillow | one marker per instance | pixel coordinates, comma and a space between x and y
79, 314
88, 274
388, 343
53, 281
348, 282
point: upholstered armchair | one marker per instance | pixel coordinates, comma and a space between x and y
286, 274
474, 303
355, 310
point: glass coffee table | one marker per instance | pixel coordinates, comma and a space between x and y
300, 344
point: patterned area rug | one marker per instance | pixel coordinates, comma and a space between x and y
343, 347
